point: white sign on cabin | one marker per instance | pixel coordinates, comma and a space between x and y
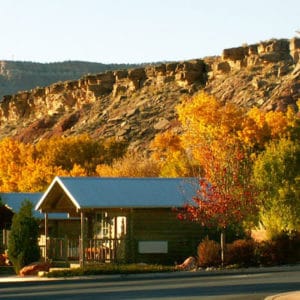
153, 246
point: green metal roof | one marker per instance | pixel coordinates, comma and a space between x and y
99, 192
14, 202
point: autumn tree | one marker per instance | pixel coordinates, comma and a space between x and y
170, 155
12, 160
276, 174
30, 168
131, 165
226, 195
225, 139
36, 175
260, 127
66, 152
206, 120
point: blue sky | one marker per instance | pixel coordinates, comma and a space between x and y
135, 31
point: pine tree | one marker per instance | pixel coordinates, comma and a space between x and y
23, 246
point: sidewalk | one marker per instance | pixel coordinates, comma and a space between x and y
285, 296
15, 278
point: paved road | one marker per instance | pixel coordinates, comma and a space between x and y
172, 286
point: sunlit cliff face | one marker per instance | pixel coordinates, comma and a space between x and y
135, 104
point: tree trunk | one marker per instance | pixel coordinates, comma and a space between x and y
222, 246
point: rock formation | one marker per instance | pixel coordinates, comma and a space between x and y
20, 76
135, 104
266, 75
128, 103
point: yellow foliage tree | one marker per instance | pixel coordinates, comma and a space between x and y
172, 158
206, 120
208, 124
30, 168
78, 171
131, 165
259, 127
221, 135
36, 176
12, 160
66, 152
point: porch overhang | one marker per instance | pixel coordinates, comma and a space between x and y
57, 199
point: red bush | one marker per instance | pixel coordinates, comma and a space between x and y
241, 252
209, 253
2, 259
282, 250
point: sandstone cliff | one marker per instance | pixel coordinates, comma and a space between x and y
20, 76
135, 104
265, 75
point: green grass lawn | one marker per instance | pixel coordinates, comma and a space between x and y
111, 269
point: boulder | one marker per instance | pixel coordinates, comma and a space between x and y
35, 268
162, 124
234, 54
295, 49
223, 67
189, 264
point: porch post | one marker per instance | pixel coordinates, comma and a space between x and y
46, 236
81, 239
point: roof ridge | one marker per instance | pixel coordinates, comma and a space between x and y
126, 178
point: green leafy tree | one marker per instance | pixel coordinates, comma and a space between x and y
23, 246
276, 174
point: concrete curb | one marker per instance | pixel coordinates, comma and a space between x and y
285, 296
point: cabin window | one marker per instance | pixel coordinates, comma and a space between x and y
111, 227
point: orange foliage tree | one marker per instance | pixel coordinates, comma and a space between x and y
66, 152
131, 165
30, 168
259, 127
225, 196
172, 158
206, 122
222, 138
13, 159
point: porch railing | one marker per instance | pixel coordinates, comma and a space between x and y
96, 250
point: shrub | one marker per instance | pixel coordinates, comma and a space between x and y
267, 253
242, 253
209, 253
2, 260
284, 249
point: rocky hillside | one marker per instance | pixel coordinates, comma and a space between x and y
18, 76
135, 104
